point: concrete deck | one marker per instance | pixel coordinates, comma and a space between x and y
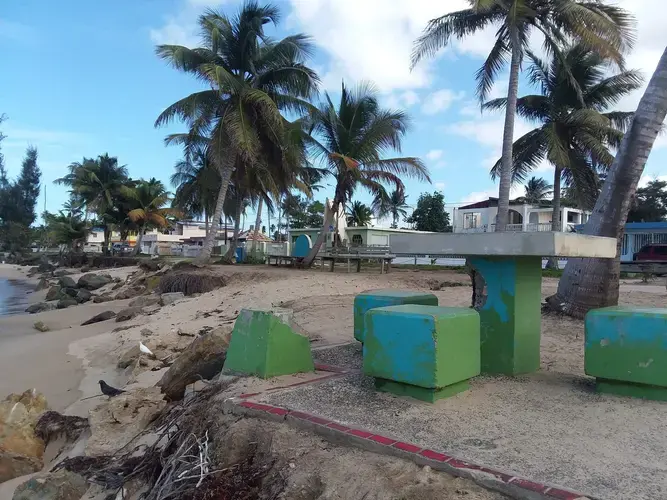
549, 427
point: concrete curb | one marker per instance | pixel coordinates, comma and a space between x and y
504, 482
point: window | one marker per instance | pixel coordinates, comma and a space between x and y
624, 245
471, 220
660, 250
357, 240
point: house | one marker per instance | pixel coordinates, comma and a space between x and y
638, 234
338, 227
480, 217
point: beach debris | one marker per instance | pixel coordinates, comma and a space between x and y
116, 422
103, 316
202, 359
67, 282
94, 281
190, 283
54, 293
59, 485
40, 326
53, 424
108, 390
40, 307
66, 302
145, 301
21, 450
127, 314
169, 298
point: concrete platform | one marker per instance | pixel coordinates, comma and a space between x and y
549, 427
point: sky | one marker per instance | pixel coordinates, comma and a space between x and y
80, 78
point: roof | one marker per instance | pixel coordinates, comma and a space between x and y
639, 226
250, 235
491, 202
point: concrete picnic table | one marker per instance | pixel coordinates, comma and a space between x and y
511, 265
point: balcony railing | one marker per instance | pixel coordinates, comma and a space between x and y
514, 228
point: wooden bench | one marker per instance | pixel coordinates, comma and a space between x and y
382, 255
281, 260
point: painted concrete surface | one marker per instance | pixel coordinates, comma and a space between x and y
510, 318
381, 298
628, 344
262, 344
548, 427
424, 346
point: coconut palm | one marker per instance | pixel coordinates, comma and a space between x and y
66, 228
252, 78
591, 283
607, 29
97, 184
575, 128
393, 204
149, 199
359, 214
351, 140
537, 190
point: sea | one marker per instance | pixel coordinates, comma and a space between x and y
14, 296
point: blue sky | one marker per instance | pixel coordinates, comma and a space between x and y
80, 78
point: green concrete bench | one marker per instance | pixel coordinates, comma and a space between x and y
382, 298
626, 350
426, 352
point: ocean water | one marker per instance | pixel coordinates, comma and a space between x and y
14, 297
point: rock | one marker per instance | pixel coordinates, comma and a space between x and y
127, 313
85, 269
103, 316
21, 450
132, 355
150, 265
59, 485
83, 295
43, 284
146, 332
145, 301
94, 281
40, 307
41, 327
59, 273
98, 299
66, 302
71, 292
67, 282
203, 358
129, 293
116, 422
54, 293
52, 424
152, 283
170, 298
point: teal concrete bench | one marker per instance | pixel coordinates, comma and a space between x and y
626, 350
382, 298
426, 352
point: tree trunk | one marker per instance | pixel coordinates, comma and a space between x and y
258, 221
508, 137
328, 218
205, 222
207, 247
107, 237
589, 283
231, 251
268, 224
556, 222
137, 243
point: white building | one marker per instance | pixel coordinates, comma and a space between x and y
481, 217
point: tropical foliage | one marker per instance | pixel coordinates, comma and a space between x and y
537, 190
430, 214
650, 203
606, 29
393, 204
359, 215
149, 199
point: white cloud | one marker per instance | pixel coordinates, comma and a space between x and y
181, 28
439, 185
399, 100
476, 196
645, 179
440, 100
434, 154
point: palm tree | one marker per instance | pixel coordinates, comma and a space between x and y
66, 228
606, 29
537, 190
591, 283
252, 78
350, 140
575, 129
393, 204
359, 214
149, 199
97, 184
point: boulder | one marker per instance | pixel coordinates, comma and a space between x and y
54, 293
41, 327
85, 269
21, 451
170, 298
40, 307
71, 292
59, 485
43, 284
98, 299
129, 293
83, 295
145, 301
116, 422
66, 302
127, 313
67, 282
59, 273
203, 358
94, 281
103, 316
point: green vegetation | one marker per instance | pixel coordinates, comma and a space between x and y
650, 203
393, 204
359, 215
430, 214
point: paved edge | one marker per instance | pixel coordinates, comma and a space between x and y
503, 482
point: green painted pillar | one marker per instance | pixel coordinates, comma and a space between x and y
511, 317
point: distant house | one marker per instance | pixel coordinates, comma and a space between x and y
338, 227
480, 217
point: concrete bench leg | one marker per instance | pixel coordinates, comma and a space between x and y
510, 319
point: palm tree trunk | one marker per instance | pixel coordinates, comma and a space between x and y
207, 247
328, 218
556, 222
205, 221
589, 283
137, 243
231, 251
508, 137
258, 221
107, 237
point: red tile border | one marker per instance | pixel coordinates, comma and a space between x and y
361, 434
318, 420
410, 448
562, 494
330, 368
434, 455
299, 414
382, 440
526, 484
338, 427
